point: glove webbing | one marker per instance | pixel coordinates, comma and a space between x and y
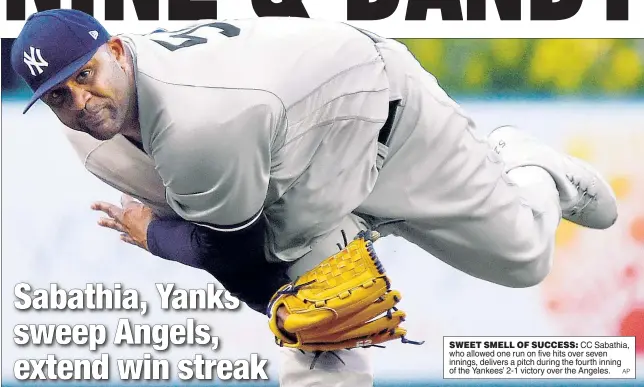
293, 289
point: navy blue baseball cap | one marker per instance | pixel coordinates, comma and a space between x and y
52, 46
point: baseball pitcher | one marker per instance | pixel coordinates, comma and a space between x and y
269, 136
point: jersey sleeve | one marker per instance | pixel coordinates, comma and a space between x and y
216, 163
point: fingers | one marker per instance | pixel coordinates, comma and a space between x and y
115, 220
112, 224
110, 209
115, 214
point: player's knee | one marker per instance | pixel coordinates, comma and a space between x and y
528, 270
530, 276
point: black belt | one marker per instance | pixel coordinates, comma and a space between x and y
385, 132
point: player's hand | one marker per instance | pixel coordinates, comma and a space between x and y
282, 314
131, 220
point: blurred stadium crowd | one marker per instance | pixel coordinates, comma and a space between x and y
507, 67
535, 66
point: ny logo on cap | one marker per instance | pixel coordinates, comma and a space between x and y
35, 60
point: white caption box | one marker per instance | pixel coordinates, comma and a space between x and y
556, 357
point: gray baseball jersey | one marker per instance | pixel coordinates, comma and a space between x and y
310, 156
283, 115
274, 117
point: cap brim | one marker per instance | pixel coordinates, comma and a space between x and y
61, 76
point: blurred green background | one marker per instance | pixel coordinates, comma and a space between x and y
511, 67
534, 66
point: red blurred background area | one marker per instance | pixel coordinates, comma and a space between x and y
597, 283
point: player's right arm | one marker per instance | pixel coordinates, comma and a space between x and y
244, 272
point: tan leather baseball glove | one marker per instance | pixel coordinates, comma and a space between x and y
345, 302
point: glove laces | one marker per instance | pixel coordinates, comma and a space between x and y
293, 289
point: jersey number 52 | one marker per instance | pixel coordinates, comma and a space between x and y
163, 37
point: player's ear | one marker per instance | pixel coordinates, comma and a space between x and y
116, 47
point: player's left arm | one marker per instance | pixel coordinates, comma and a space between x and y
216, 169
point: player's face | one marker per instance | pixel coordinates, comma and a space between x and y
97, 99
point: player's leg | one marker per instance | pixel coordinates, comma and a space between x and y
459, 200
349, 368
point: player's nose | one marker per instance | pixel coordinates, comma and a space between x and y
78, 97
